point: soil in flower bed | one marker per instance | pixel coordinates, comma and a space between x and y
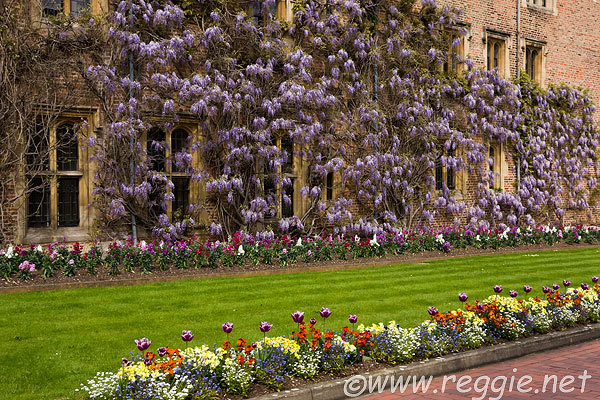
102, 278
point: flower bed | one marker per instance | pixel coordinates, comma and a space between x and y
209, 371
23, 262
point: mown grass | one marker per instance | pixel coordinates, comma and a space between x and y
52, 341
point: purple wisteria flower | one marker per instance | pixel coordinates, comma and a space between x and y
187, 336
498, 288
298, 317
527, 288
227, 327
325, 312
313, 321
567, 283
432, 311
142, 344
513, 293
463, 297
352, 318
265, 326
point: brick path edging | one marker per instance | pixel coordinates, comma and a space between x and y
334, 390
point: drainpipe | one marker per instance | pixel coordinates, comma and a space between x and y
132, 140
518, 75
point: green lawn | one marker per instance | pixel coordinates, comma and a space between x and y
52, 341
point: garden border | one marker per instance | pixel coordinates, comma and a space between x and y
408, 259
334, 390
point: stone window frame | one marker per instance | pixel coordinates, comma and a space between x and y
539, 64
499, 165
463, 48
548, 6
282, 10
503, 41
169, 169
84, 120
459, 184
96, 7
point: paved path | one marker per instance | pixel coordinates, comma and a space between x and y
493, 382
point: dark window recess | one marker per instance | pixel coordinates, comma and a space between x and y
439, 174
37, 149
493, 55
257, 14
38, 204
68, 202
155, 149
287, 146
52, 7
329, 186
67, 154
78, 7
270, 191
181, 192
179, 141
492, 157
450, 181
287, 208
531, 56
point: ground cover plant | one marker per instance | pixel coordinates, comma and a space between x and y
55, 340
22, 262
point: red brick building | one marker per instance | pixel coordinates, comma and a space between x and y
554, 41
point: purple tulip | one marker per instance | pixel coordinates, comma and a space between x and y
546, 289
313, 321
162, 351
585, 286
142, 344
595, 279
187, 336
527, 288
352, 318
227, 327
254, 345
463, 297
298, 317
566, 282
556, 286
325, 312
265, 326
480, 307
498, 288
432, 311
513, 293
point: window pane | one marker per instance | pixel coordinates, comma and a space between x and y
78, 7
67, 153
155, 149
51, 7
496, 50
181, 191
287, 146
450, 181
37, 149
439, 174
179, 143
287, 207
68, 202
38, 204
